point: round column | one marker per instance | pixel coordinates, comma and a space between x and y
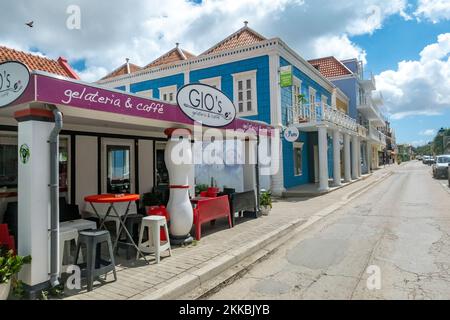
178, 159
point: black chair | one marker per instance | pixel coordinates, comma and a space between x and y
133, 225
68, 212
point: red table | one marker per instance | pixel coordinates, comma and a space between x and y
112, 199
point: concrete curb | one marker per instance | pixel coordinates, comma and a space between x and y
216, 266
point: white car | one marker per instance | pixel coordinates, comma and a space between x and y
440, 168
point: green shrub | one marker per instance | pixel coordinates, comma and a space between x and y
265, 199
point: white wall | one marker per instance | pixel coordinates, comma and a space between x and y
86, 168
145, 166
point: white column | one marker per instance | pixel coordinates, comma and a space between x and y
336, 158
347, 160
355, 162
277, 178
323, 159
359, 158
34, 197
369, 156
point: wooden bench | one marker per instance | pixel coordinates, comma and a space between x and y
210, 209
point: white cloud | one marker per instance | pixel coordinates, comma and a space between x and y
142, 30
433, 10
339, 46
420, 87
428, 132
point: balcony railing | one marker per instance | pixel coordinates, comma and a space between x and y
366, 102
362, 131
307, 113
377, 135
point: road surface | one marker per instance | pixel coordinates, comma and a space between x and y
391, 242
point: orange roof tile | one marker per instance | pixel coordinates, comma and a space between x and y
243, 37
121, 71
174, 55
330, 67
35, 62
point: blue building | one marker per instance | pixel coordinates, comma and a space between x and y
365, 105
246, 66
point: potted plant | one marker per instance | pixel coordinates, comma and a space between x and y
10, 265
265, 202
200, 187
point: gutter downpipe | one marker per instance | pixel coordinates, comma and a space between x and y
54, 197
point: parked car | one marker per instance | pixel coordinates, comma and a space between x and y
426, 159
440, 168
419, 157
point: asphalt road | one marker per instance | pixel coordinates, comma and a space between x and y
391, 242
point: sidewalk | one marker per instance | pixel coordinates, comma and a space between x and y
219, 249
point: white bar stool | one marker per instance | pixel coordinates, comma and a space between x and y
153, 245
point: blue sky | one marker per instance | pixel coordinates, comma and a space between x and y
399, 40
406, 43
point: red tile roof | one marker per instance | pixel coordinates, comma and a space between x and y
330, 67
122, 70
35, 62
243, 37
174, 55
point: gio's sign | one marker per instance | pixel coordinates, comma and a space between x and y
206, 104
14, 78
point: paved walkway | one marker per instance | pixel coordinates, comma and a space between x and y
136, 280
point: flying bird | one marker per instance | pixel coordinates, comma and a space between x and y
30, 24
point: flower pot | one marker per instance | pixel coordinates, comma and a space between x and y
265, 210
4, 290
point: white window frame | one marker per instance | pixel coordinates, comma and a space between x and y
312, 92
116, 142
168, 90
213, 82
324, 100
296, 82
244, 76
297, 145
145, 93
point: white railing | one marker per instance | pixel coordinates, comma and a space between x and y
304, 113
362, 131
377, 135
367, 101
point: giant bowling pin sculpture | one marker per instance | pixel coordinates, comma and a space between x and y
179, 205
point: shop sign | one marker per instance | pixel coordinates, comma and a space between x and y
286, 76
291, 134
206, 104
14, 78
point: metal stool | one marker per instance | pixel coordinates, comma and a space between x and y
95, 266
133, 225
153, 244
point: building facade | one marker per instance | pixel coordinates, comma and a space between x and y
246, 67
366, 106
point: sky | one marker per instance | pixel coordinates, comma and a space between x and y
405, 44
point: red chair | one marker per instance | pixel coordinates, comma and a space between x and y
209, 210
6, 239
159, 211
